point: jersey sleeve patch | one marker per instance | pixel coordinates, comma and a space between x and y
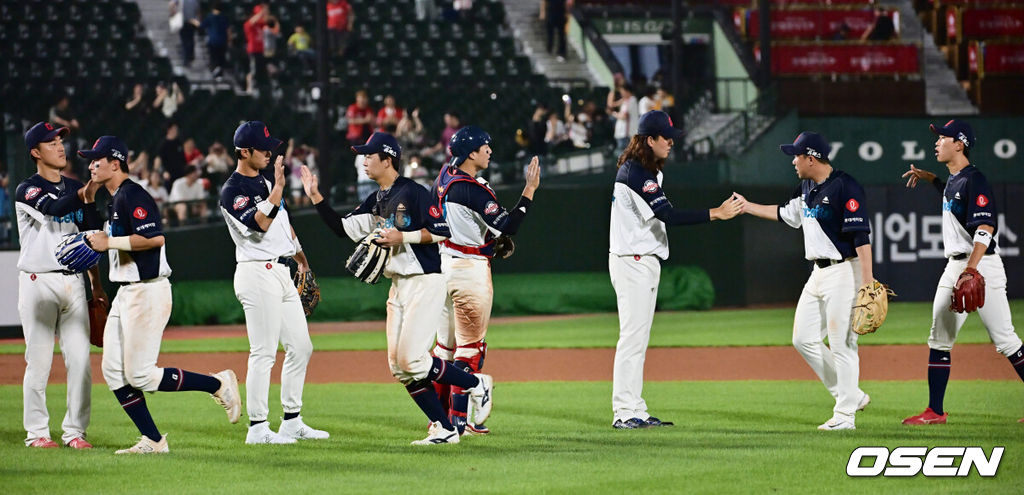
32, 192
140, 213
852, 205
240, 202
982, 201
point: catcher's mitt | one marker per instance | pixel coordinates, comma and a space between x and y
871, 307
504, 247
969, 292
368, 260
75, 254
98, 307
309, 290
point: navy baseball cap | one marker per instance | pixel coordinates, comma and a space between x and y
658, 123
43, 132
380, 142
106, 147
808, 143
465, 141
956, 129
254, 134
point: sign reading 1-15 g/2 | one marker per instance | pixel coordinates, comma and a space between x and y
632, 26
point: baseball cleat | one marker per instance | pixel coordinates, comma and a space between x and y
478, 429
295, 428
260, 433
227, 395
864, 402
928, 417
480, 398
629, 424
147, 446
653, 422
79, 443
439, 436
43, 443
836, 424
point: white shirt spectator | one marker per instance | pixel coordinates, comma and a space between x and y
181, 190
646, 105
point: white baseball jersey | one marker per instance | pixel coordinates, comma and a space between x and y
46, 211
831, 214
238, 199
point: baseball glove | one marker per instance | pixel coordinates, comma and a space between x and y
98, 307
75, 254
504, 247
368, 260
872, 307
309, 290
969, 292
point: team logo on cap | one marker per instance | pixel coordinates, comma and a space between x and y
140, 213
814, 153
266, 132
650, 187
389, 150
491, 208
32, 192
434, 212
852, 205
240, 202
982, 200
49, 126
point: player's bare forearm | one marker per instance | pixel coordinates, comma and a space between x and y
300, 258
767, 212
866, 272
263, 221
979, 248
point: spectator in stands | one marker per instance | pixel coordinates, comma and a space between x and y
168, 100
300, 45
217, 165
556, 135
452, 123
62, 115
648, 102
418, 172
426, 10
575, 129
627, 116
216, 26
271, 35
187, 193
254, 47
340, 21
884, 28
536, 131
190, 18
136, 109
295, 158
389, 114
138, 166
171, 157
192, 154
553, 13
663, 101
154, 185
409, 130
360, 119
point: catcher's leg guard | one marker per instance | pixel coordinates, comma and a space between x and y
472, 355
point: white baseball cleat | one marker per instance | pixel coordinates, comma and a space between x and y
864, 402
260, 433
227, 395
835, 424
439, 436
147, 446
480, 398
294, 428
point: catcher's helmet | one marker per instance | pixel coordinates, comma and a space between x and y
465, 141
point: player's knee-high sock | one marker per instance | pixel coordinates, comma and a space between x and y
938, 376
450, 374
429, 403
444, 394
1017, 359
179, 380
134, 404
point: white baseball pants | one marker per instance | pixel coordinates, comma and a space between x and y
995, 314
273, 314
825, 309
635, 280
415, 312
53, 304
131, 339
468, 306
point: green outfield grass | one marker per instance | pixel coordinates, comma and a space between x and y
731, 437
908, 323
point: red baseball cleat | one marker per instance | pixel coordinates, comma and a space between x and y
928, 417
79, 443
44, 443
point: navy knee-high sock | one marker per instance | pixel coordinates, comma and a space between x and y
1017, 360
938, 376
134, 404
179, 380
447, 373
422, 392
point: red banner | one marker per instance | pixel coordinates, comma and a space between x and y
1001, 58
992, 23
812, 23
844, 59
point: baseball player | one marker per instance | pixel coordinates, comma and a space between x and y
139, 312
254, 209
970, 239
51, 300
475, 220
409, 218
637, 239
829, 205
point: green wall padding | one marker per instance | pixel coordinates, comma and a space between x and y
211, 302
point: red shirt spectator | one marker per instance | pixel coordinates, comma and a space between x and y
360, 119
254, 30
338, 12
389, 114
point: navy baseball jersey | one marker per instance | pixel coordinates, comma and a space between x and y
132, 211
967, 203
238, 200
473, 214
640, 211
833, 216
46, 211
